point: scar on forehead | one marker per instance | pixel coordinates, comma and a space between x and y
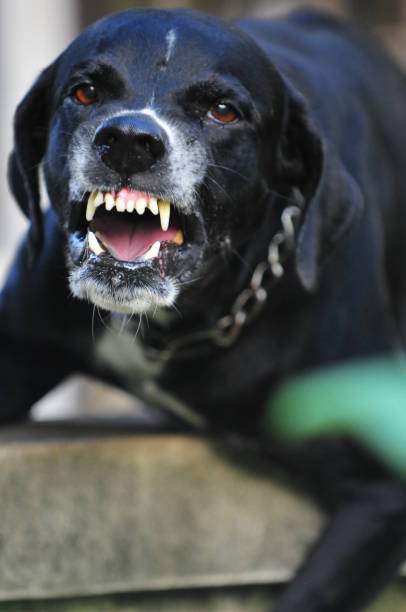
170, 40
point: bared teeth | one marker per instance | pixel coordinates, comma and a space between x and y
120, 205
153, 205
110, 202
131, 204
178, 238
96, 198
99, 198
152, 251
127, 201
94, 244
164, 213
140, 205
91, 208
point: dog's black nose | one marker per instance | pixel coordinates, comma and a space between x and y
130, 143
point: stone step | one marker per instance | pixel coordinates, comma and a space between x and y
94, 513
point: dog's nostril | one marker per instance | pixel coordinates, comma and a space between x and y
106, 137
129, 144
111, 139
153, 146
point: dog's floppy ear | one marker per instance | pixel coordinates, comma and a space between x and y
333, 201
30, 138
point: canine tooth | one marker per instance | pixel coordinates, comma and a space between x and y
140, 206
120, 205
152, 252
99, 199
153, 206
92, 196
94, 244
178, 238
90, 208
164, 213
130, 206
109, 201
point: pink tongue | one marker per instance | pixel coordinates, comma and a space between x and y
127, 242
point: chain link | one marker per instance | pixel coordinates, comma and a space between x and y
250, 302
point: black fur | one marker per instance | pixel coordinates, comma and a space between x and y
322, 118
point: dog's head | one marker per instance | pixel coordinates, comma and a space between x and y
164, 137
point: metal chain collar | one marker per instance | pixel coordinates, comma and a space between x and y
250, 302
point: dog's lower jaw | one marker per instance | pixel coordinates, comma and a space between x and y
127, 300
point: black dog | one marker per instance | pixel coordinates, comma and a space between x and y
243, 186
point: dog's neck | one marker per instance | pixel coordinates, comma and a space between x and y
215, 313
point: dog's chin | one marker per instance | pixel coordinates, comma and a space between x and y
121, 291
133, 254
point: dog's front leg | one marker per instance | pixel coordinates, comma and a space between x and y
29, 370
43, 331
359, 552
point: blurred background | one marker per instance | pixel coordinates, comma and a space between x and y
31, 36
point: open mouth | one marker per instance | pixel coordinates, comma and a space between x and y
131, 226
131, 250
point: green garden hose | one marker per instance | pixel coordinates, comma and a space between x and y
365, 400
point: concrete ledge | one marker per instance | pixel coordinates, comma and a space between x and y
140, 513
103, 523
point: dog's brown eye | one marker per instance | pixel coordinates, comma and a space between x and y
85, 94
224, 113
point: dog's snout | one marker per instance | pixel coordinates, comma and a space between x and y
130, 143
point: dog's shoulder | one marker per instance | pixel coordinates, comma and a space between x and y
307, 46
327, 57
294, 28
300, 25
321, 39
305, 19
